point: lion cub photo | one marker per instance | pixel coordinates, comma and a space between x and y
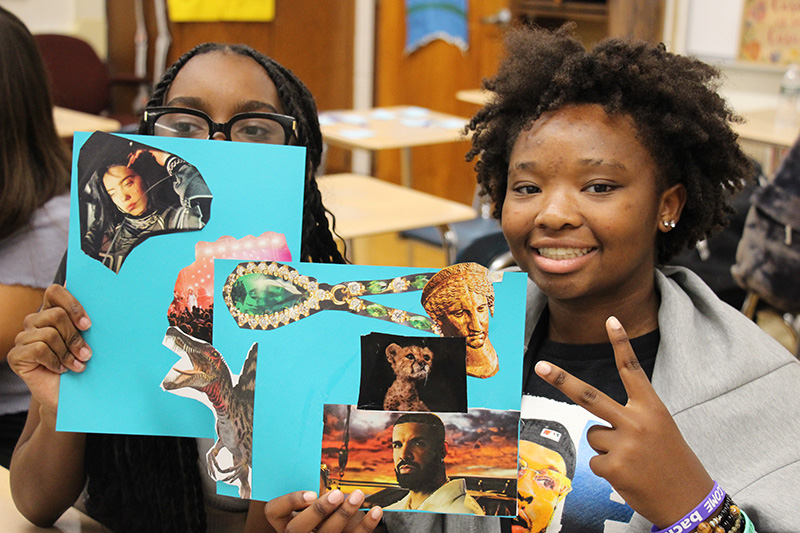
411, 366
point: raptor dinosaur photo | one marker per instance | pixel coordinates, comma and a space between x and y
231, 403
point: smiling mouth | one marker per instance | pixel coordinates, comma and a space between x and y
563, 253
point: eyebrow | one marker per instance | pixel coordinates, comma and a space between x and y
589, 162
244, 107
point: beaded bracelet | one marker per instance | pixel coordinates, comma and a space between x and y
697, 515
748, 525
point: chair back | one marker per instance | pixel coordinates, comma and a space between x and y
79, 79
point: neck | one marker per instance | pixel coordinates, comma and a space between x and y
422, 494
584, 322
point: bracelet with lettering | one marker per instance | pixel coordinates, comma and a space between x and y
698, 514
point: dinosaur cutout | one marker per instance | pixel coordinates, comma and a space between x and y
231, 403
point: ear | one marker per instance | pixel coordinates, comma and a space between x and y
671, 206
444, 450
391, 351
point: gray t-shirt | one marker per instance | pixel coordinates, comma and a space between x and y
30, 257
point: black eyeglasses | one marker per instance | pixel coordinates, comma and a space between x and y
268, 128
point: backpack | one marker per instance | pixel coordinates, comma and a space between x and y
768, 255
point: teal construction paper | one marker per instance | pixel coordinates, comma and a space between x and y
317, 360
256, 188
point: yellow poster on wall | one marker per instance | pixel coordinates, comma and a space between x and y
221, 10
771, 31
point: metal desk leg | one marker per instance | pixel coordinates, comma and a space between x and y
405, 167
449, 243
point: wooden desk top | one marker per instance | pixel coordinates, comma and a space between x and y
760, 128
474, 96
11, 521
366, 206
384, 128
68, 121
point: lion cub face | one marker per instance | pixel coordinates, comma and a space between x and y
411, 362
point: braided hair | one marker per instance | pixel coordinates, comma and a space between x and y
141, 483
673, 101
318, 244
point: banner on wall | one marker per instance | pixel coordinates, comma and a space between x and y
770, 32
428, 21
221, 10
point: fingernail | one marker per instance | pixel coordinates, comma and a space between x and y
62, 369
309, 496
614, 323
543, 368
356, 497
79, 366
375, 513
85, 354
335, 496
84, 323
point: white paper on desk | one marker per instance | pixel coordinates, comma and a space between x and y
383, 114
450, 123
415, 122
414, 111
360, 133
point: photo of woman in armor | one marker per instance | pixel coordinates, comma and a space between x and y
130, 191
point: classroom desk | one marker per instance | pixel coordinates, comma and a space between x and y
68, 121
365, 206
384, 128
474, 96
759, 127
11, 521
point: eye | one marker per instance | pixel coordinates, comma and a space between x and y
258, 130
181, 125
427, 357
600, 188
526, 189
409, 356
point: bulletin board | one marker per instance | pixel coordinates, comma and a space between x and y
770, 32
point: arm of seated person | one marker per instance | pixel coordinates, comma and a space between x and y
16, 302
47, 467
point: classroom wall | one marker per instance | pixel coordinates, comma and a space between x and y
710, 30
86, 18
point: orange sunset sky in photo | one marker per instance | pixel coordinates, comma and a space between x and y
482, 443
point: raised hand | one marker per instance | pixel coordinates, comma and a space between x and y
160, 157
643, 454
50, 344
334, 512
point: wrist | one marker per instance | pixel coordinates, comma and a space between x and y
702, 512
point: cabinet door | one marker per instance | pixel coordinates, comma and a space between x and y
430, 77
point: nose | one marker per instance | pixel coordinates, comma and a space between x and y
474, 323
405, 452
559, 209
219, 136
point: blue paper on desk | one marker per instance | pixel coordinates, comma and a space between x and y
308, 342
148, 214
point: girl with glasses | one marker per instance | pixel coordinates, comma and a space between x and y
136, 483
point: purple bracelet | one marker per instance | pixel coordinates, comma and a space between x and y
698, 514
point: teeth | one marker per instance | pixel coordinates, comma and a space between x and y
563, 253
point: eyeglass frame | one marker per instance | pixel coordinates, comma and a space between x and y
564, 482
288, 123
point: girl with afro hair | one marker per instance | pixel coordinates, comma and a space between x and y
602, 165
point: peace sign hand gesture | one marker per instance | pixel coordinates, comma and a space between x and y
643, 454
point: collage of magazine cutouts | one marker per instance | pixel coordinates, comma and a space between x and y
398, 381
